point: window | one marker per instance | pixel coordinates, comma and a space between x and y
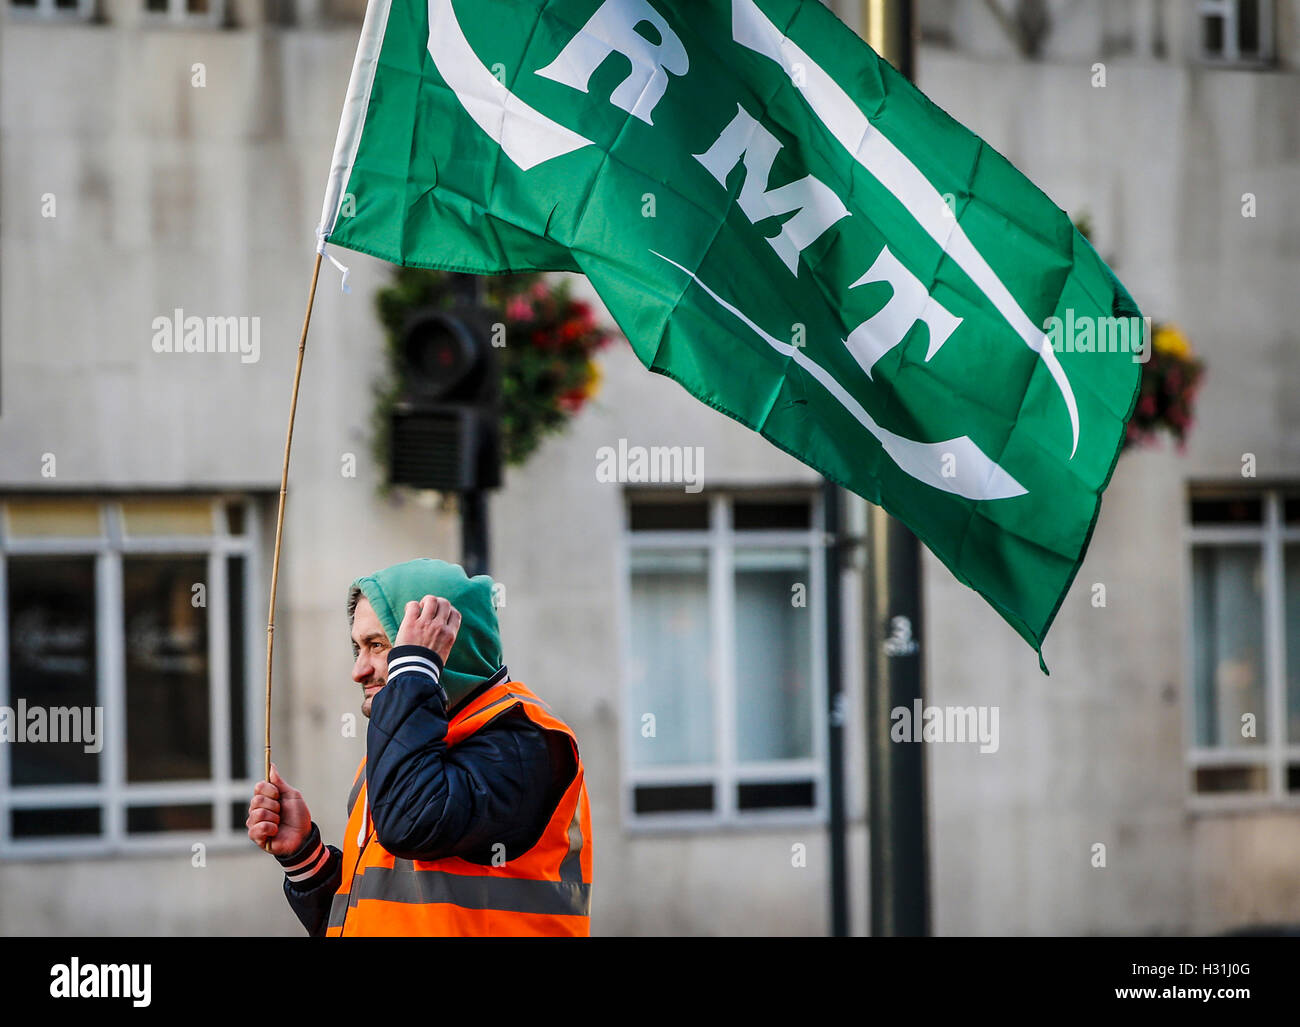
209, 12
54, 8
723, 696
1244, 634
125, 671
1235, 31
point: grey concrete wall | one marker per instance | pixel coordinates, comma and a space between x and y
1160, 158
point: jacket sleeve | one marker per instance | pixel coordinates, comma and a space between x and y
311, 877
497, 787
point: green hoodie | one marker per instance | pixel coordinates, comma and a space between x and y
476, 654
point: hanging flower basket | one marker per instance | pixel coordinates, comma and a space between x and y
547, 360
1170, 380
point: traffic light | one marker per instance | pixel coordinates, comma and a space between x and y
445, 427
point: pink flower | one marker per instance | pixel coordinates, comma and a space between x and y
519, 309
540, 291
1146, 406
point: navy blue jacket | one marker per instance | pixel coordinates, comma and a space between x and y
499, 786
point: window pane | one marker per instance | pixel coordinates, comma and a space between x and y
771, 514
51, 823
1227, 510
156, 5
238, 655
158, 819
1292, 614
52, 666
1212, 35
167, 515
45, 518
1228, 645
198, 6
671, 674
774, 701
235, 518
1231, 779
1248, 27
672, 799
683, 515
775, 795
167, 722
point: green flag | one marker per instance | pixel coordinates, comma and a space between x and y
784, 225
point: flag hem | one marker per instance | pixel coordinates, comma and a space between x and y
355, 107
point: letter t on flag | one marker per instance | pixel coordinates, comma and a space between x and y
831, 259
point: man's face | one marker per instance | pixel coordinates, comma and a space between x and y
370, 645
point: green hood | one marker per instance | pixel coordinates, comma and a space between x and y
476, 654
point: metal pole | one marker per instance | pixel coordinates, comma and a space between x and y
896, 771
832, 510
474, 532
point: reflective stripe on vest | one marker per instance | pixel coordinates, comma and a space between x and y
544, 891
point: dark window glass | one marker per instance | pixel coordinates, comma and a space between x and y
1227, 510
683, 516
1231, 779
1291, 509
673, 798
235, 584
156, 5
54, 823
157, 819
1212, 34
66, 5
239, 814
1248, 27
759, 514
1293, 778
23, 3
52, 668
167, 719
235, 518
775, 795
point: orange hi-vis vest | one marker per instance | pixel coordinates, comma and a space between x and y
546, 891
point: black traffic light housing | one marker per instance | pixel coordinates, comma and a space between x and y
445, 428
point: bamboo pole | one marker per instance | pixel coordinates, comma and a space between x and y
279, 519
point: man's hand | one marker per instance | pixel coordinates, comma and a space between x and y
278, 812
432, 623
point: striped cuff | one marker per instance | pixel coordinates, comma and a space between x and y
301, 866
413, 659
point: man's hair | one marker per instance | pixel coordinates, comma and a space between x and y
354, 597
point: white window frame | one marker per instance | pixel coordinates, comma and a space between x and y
84, 11
178, 13
1229, 10
112, 793
1270, 536
726, 772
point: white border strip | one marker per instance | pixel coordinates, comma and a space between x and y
354, 116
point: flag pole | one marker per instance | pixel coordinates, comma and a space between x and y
279, 517
898, 849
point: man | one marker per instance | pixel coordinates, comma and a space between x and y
469, 813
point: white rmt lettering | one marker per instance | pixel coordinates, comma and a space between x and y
817, 205
613, 29
910, 303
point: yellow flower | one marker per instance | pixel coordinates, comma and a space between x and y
594, 377
1168, 339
